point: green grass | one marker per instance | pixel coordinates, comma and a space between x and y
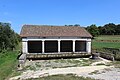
116, 64
8, 63
100, 45
106, 41
63, 77
108, 37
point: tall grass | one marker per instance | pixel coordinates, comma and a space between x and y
8, 63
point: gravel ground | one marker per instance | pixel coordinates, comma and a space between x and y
110, 74
80, 71
80, 67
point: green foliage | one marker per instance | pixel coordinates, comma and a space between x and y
63, 77
107, 29
76, 25
8, 38
117, 29
73, 25
93, 29
8, 63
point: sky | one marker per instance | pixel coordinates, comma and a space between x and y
59, 12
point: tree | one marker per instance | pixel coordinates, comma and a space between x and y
117, 29
93, 29
109, 29
8, 38
0, 37
76, 25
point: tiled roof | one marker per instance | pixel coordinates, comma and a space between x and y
56, 31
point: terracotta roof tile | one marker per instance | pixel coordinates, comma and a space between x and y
45, 31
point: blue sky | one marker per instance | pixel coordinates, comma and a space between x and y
59, 12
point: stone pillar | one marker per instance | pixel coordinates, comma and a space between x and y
73, 45
58, 46
88, 46
25, 47
43, 47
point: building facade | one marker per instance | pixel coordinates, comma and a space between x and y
55, 39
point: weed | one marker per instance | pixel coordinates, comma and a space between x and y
100, 64
94, 72
63, 77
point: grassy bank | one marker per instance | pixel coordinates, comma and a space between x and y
8, 63
63, 77
111, 41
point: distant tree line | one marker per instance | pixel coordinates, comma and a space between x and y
8, 38
107, 29
73, 25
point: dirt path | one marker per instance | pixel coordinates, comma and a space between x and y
97, 69
80, 71
103, 61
